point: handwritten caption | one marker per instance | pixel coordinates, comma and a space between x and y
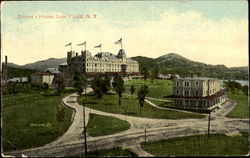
70, 16
40, 124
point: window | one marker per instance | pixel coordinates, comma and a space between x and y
187, 84
196, 93
177, 91
177, 83
186, 93
196, 84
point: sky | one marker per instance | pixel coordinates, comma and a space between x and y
212, 32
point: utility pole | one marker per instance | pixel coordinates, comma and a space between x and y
6, 70
84, 128
209, 118
85, 135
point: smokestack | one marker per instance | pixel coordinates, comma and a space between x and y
6, 69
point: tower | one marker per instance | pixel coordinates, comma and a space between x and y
121, 55
85, 55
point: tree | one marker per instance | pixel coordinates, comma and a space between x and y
96, 86
105, 85
232, 86
151, 77
78, 83
154, 74
141, 95
237, 86
29, 78
245, 89
45, 86
145, 72
60, 86
118, 85
132, 90
60, 113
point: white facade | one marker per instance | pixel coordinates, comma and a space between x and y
42, 77
101, 62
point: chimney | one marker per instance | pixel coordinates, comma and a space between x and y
76, 54
193, 75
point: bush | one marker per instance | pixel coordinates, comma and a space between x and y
69, 90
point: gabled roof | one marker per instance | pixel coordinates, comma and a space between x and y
65, 63
52, 70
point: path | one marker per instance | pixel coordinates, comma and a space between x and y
75, 130
226, 108
139, 151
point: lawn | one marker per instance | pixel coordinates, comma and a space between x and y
130, 106
29, 120
157, 89
114, 152
200, 145
242, 108
104, 125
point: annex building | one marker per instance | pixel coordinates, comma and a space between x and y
197, 93
102, 62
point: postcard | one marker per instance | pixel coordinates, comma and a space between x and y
124, 78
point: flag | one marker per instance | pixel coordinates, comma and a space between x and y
84, 43
98, 46
67, 44
119, 41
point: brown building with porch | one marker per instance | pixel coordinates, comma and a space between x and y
197, 93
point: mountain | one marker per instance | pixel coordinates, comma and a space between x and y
42, 65
175, 64
167, 64
242, 68
13, 65
170, 57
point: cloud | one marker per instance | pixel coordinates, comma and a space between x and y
187, 33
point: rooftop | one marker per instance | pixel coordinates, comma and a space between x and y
52, 70
197, 78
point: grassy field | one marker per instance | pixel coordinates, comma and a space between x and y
200, 145
130, 106
114, 152
29, 120
103, 125
242, 107
157, 89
